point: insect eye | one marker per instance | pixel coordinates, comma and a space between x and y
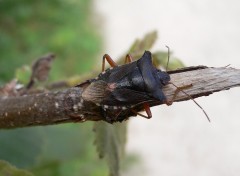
163, 77
164, 82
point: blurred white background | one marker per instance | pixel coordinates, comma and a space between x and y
178, 140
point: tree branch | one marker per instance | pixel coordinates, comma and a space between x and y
68, 105
204, 80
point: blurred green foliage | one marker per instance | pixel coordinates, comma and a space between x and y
7, 169
110, 140
28, 30
53, 151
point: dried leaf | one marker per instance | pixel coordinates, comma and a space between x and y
9, 89
40, 69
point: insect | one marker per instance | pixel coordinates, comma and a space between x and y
123, 87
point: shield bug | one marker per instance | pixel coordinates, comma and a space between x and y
123, 87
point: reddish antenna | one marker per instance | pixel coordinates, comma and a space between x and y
179, 89
168, 57
192, 100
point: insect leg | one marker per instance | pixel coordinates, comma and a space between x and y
128, 58
111, 119
137, 113
147, 109
109, 60
178, 89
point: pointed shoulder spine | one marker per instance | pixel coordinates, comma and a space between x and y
145, 60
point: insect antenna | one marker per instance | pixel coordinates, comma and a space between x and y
168, 57
192, 100
179, 89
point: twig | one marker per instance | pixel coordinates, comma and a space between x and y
68, 105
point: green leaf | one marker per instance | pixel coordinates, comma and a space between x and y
110, 142
23, 74
68, 148
160, 59
139, 46
7, 169
145, 44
